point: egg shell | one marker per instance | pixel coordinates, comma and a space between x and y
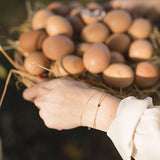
57, 25
94, 33
141, 50
140, 28
147, 74
69, 65
89, 16
87, 19
96, 58
76, 22
118, 20
36, 58
81, 48
58, 8
32, 40
39, 19
55, 47
74, 4
76, 11
93, 6
118, 75
117, 57
118, 42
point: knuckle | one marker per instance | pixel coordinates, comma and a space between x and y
25, 94
41, 114
49, 123
37, 102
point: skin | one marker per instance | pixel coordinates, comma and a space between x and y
65, 104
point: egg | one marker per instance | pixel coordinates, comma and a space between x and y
96, 58
56, 25
147, 74
76, 22
32, 40
55, 47
118, 20
118, 75
74, 4
33, 59
58, 8
75, 11
39, 19
89, 16
117, 57
95, 32
118, 42
69, 65
81, 48
141, 50
140, 28
93, 6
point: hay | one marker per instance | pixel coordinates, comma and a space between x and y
92, 80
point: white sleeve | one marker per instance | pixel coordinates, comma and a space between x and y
136, 129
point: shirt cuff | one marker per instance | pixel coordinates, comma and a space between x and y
122, 129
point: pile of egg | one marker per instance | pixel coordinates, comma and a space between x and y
90, 39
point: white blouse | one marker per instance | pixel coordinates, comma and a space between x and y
136, 129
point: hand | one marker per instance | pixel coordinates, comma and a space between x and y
65, 103
60, 101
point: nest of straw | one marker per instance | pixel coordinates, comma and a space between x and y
92, 80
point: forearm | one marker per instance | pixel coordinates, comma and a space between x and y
100, 111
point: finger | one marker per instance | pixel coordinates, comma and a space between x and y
42, 79
31, 93
41, 88
39, 103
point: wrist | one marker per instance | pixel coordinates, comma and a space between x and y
100, 111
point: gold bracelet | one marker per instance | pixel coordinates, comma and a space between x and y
102, 97
85, 107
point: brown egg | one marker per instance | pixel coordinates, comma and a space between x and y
93, 6
141, 50
76, 22
74, 4
118, 75
32, 40
140, 28
118, 20
89, 16
96, 58
58, 25
147, 74
81, 48
33, 59
39, 19
118, 42
55, 47
58, 8
117, 57
75, 11
68, 65
95, 32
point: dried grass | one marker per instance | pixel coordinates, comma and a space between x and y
93, 80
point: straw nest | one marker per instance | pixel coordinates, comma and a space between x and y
93, 80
